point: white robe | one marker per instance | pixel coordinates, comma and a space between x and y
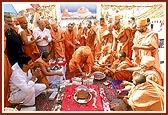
22, 89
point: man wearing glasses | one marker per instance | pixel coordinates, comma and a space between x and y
145, 43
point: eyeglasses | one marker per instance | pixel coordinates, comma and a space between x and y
141, 27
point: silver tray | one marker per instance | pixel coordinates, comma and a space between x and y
82, 100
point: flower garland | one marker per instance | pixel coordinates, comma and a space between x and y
94, 98
106, 105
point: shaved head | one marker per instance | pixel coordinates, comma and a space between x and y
140, 78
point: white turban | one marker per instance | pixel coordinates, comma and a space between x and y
148, 61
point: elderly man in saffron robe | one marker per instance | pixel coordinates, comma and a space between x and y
145, 95
145, 43
82, 61
150, 71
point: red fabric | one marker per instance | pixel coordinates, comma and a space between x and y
61, 63
69, 104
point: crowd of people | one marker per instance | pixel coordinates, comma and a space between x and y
122, 51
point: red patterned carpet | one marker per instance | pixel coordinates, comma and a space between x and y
44, 104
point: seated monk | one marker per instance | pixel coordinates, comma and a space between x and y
81, 62
105, 59
145, 95
148, 68
42, 63
116, 69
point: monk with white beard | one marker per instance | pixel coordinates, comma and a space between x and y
145, 43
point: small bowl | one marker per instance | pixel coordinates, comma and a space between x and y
99, 75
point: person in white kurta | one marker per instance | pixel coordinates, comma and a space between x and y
23, 88
44, 34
